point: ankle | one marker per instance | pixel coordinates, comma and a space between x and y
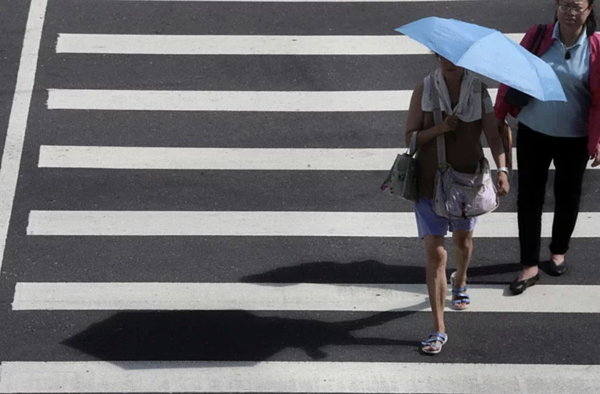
460, 280
533, 268
558, 258
529, 272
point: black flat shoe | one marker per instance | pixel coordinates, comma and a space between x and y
519, 286
557, 270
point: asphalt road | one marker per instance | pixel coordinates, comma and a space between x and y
231, 334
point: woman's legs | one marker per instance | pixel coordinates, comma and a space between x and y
436, 280
570, 160
432, 229
534, 154
437, 258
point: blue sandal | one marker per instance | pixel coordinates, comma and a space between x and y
459, 295
431, 342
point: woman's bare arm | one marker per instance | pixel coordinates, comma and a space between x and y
415, 120
492, 135
490, 129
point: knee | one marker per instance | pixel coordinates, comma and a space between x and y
436, 257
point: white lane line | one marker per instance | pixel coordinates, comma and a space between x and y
263, 101
17, 124
295, 377
292, 297
131, 44
271, 223
155, 158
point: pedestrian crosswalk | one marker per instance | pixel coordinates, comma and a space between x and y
198, 211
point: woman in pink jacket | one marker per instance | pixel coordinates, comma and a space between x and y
566, 133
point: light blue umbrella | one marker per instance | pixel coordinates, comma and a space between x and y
487, 52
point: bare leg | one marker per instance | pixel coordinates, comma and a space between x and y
436, 280
463, 249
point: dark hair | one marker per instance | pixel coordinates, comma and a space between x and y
590, 23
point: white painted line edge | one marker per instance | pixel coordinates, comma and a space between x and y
262, 101
17, 124
272, 223
293, 297
295, 377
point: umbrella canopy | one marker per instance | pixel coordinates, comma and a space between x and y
487, 52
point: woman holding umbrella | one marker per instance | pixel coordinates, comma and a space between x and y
463, 48
564, 132
467, 108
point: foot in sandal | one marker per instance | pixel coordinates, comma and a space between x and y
460, 299
433, 344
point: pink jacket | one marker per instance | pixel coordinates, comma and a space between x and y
501, 108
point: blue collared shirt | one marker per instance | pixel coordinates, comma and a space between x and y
564, 119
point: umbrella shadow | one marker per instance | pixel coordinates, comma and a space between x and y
233, 336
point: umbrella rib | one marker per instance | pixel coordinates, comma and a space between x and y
474, 43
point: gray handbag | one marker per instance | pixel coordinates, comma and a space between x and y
458, 195
402, 179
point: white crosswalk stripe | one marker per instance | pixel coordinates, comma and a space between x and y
290, 224
88, 256
144, 100
293, 377
294, 296
242, 45
145, 158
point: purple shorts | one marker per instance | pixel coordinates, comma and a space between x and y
429, 223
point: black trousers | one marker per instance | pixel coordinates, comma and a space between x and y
535, 152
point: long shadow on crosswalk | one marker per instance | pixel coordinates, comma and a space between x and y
221, 336
238, 335
370, 272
